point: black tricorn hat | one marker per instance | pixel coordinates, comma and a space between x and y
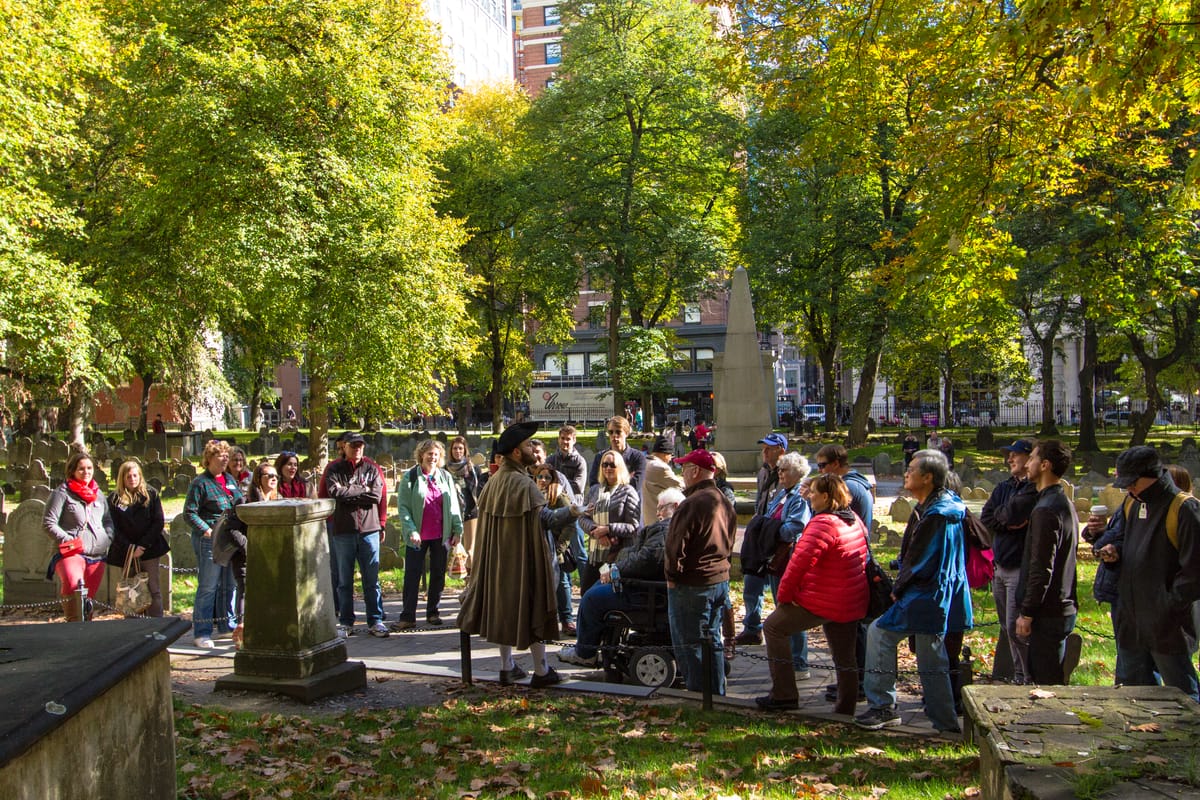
513, 436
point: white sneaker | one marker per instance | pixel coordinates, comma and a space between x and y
569, 656
204, 642
379, 629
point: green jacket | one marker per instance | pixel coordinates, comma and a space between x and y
411, 489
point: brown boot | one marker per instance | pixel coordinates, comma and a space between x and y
73, 607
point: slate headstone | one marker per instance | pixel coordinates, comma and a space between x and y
181, 543
27, 552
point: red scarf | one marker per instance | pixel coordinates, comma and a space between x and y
87, 492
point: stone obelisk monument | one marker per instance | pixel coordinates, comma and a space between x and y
743, 384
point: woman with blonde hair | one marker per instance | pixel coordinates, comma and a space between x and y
213, 492
138, 524
613, 517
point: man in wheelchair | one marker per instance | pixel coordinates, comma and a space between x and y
641, 559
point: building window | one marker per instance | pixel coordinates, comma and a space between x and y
550, 15
704, 359
598, 361
567, 364
554, 365
683, 360
554, 53
691, 314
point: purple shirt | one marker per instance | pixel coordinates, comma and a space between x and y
431, 514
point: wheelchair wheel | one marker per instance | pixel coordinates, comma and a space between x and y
652, 666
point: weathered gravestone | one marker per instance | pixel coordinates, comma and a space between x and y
181, 543
22, 451
881, 464
180, 483
300, 443
155, 470
985, 440
901, 510
27, 553
35, 476
259, 446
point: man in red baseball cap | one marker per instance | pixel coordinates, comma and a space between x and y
698, 547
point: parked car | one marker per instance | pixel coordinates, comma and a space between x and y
1118, 418
814, 412
786, 411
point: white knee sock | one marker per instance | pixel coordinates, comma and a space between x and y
538, 651
506, 657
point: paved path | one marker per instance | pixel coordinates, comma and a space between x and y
435, 652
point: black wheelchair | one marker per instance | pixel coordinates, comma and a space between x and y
636, 644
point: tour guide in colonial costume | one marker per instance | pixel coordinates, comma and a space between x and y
510, 599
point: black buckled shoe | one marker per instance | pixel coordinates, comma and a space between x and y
541, 681
510, 676
768, 703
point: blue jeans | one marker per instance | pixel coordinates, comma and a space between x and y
932, 664
1123, 674
1148, 668
695, 614
348, 548
414, 568
211, 607
578, 546
333, 573
599, 600
753, 588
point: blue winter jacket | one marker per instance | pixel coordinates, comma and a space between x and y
796, 512
932, 595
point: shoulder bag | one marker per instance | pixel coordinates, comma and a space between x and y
879, 586
133, 590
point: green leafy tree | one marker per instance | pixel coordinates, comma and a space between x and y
634, 150
485, 174
286, 154
52, 350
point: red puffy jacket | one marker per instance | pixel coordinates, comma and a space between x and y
826, 573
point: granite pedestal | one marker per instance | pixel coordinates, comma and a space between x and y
290, 632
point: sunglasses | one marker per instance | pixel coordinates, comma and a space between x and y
608, 465
287, 453
822, 464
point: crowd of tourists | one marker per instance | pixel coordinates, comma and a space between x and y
532, 519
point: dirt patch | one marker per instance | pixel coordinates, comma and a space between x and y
193, 679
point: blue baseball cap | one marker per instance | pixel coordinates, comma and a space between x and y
1020, 446
774, 440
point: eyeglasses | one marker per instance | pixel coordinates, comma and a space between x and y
615, 432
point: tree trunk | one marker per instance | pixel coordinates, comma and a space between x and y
829, 394
614, 348
318, 418
77, 414
647, 411
1087, 398
946, 413
1046, 350
144, 414
256, 392
497, 378
866, 389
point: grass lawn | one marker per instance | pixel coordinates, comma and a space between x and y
495, 743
